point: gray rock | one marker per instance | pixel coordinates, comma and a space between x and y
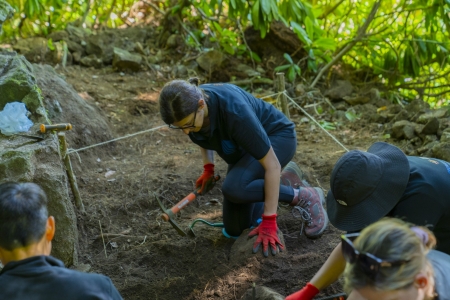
445, 137
34, 49
431, 127
434, 114
76, 34
354, 100
38, 162
241, 251
102, 46
442, 151
58, 35
124, 60
6, 12
417, 107
76, 57
74, 47
261, 293
247, 70
91, 61
403, 129
340, 89
64, 104
174, 41
211, 60
300, 90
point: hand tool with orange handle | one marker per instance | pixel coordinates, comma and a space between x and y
168, 215
44, 128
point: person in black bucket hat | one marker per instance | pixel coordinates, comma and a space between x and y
383, 182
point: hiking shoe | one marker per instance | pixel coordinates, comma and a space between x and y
309, 208
292, 176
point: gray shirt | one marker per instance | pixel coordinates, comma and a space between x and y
441, 266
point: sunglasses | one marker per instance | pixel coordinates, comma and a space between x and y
185, 126
369, 263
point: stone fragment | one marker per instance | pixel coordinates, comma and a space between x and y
211, 60
340, 89
431, 127
58, 35
403, 129
441, 151
124, 60
434, 114
261, 293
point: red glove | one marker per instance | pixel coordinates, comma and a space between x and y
206, 179
306, 293
267, 234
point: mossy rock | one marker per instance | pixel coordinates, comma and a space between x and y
17, 80
6, 12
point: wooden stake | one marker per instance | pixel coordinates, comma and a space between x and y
70, 174
281, 88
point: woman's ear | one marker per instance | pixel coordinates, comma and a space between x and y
201, 103
421, 281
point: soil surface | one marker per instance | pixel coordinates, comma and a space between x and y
122, 235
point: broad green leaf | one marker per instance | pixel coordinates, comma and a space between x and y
309, 28
325, 43
265, 6
255, 14
291, 75
228, 48
288, 58
281, 68
312, 65
233, 3
255, 56
217, 27
301, 33
50, 45
298, 70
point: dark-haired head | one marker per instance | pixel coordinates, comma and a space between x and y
23, 214
178, 99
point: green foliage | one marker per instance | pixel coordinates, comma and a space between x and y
327, 125
291, 68
406, 46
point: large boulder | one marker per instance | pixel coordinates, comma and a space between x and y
64, 105
27, 160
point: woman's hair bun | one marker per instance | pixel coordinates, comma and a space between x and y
194, 81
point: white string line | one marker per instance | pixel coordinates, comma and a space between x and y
70, 151
314, 120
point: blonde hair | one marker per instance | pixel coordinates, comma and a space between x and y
394, 240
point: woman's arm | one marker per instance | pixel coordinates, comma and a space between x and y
327, 274
331, 269
272, 167
207, 155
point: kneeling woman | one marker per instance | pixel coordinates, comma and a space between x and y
392, 260
255, 140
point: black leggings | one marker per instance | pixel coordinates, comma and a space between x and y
243, 188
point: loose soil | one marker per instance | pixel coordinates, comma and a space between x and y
122, 235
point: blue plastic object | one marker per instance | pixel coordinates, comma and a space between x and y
13, 118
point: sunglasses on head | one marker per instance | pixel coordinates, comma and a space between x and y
369, 263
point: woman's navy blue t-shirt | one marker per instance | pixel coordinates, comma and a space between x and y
240, 123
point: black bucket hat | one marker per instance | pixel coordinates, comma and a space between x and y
365, 186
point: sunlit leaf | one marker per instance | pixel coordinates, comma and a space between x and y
301, 33
265, 6
325, 43
309, 28
288, 58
